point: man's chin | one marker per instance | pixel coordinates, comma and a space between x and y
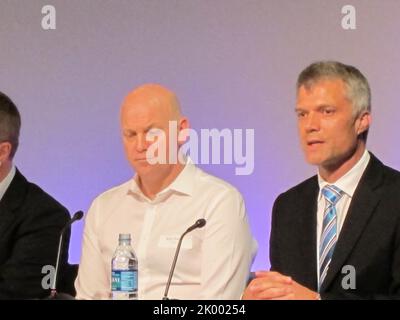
315, 161
143, 171
142, 167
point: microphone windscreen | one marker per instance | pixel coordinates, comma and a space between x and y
201, 223
78, 215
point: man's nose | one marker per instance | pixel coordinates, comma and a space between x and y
312, 122
141, 143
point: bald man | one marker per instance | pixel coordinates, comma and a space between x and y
162, 200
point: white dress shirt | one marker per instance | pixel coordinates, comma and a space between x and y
214, 262
348, 184
6, 182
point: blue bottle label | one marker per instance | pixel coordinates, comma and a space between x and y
124, 280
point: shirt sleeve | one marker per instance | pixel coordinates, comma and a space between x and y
228, 249
92, 281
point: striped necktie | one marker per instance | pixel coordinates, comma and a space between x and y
329, 234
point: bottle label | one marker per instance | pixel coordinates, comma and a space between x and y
124, 280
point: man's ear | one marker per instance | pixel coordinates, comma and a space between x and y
364, 122
183, 132
183, 123
5, 151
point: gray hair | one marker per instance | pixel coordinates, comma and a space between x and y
10, 123
358, 90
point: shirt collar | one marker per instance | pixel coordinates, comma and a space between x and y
183, 183
348, 183
6, 182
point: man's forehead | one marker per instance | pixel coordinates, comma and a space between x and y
142, 116
322, 83
144, 108
323, 89
140, 124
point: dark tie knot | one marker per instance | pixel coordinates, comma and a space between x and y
332, 193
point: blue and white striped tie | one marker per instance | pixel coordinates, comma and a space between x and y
328, 239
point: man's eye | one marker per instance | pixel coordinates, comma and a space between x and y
129, 134
328, 111
301, 114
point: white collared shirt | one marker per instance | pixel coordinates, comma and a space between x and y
214, 262
6, 182
348, 184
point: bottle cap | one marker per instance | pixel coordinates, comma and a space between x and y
124, 237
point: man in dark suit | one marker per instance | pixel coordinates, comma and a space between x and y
30, 220
337, 234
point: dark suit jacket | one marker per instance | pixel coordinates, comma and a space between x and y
369, 239
30, 225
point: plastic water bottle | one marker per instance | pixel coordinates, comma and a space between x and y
124, 271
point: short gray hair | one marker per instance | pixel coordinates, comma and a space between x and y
10, 123
358, 90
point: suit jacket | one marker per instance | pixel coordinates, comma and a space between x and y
30, 225
369, 240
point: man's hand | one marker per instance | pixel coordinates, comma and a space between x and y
270, 285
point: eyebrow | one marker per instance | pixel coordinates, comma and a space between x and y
326, 106
319, 107
147, 128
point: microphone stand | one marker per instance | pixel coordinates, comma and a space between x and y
54, 295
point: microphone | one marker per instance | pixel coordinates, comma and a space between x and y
53, 293
198, 224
